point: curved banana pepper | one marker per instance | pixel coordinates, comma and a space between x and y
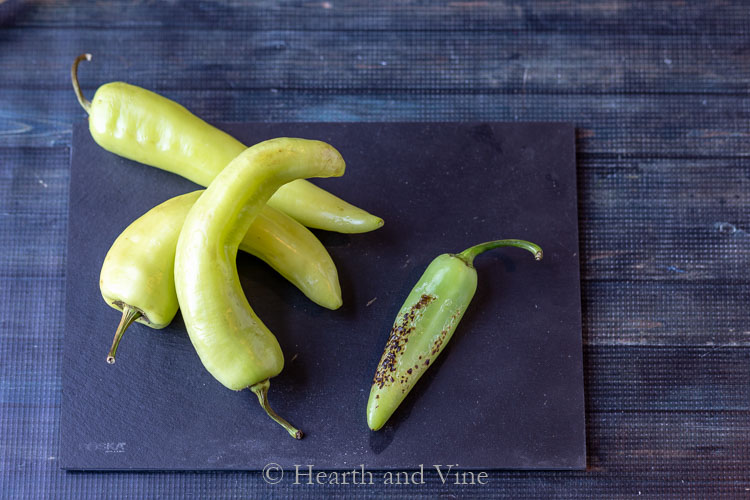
137, 275
232, 342
425, 324
143, 126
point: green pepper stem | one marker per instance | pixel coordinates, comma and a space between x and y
85, 103
469, 254
261, 390
129, 314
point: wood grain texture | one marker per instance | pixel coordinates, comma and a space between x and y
666, 314
452, 61
659, 94
598, 16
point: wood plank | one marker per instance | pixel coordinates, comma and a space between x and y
33, 214
664, 219
665, 314
656, 126
31, 326
632, 378
660, 452
705, 248
456, 61
34, 181
599, 16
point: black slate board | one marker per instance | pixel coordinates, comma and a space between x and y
506, 393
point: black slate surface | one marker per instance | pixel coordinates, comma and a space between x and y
506, 393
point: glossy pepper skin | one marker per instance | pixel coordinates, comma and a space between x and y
137, 275
232, 342
425, 325
143, 126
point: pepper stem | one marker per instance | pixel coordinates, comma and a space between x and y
469, 254
85, 103
129, 314
261, 390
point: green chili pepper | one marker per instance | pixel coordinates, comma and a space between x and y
137, 275
425, 324
232, 342
143, 126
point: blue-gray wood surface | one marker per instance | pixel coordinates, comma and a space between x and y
659, 91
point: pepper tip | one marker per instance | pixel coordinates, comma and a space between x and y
538, 255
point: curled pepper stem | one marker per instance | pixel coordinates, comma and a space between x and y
469, 254
261, 390
129, 314
85, 103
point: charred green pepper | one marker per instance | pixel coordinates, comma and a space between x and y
425, 324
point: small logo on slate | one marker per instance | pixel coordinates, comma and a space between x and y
105, 447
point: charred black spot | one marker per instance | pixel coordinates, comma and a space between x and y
397, 340
438, 342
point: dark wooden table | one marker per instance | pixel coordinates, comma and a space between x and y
659, 92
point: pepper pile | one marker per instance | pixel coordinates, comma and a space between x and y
183, 252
